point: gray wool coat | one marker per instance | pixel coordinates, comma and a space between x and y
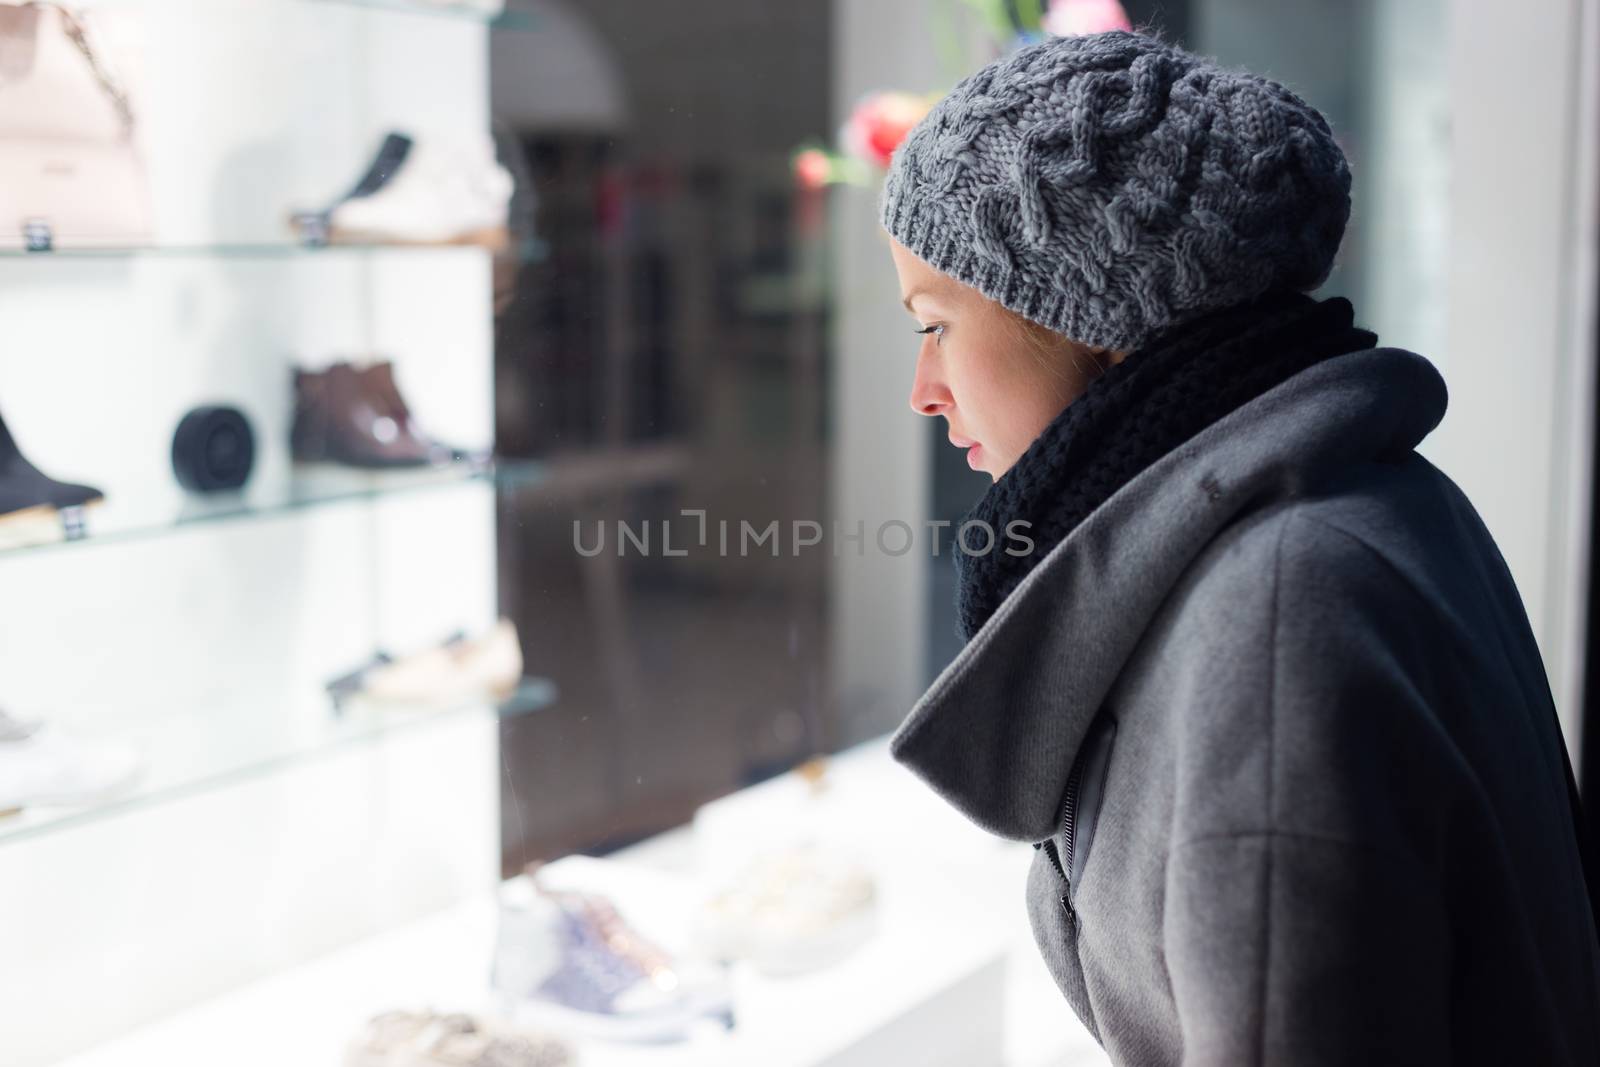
1275, 720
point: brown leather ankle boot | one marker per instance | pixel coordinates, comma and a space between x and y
358, 418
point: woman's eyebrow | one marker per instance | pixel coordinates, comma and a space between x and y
915, 292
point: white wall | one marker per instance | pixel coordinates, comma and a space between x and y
1475, 191
209, 645
1402, 186
879, 466
880, 450
1519, 333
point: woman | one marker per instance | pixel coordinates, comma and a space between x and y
1261, 690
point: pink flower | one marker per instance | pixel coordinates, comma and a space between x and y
812, 169
879, 122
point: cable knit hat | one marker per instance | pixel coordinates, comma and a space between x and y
1110, 185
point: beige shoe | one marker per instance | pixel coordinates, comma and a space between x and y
487, 667
429, 1039
799, 909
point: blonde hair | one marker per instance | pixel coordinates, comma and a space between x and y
1055, 351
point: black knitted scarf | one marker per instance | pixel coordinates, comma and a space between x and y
1138, 410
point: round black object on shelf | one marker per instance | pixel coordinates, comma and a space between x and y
213, 449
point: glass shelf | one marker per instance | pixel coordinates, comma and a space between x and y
126, 520
456, 10
172, 509
261, 250
498, 20
194, 752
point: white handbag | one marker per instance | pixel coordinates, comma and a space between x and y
71, 175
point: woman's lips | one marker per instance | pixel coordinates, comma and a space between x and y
974, 450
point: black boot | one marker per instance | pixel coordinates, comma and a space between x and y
24, 488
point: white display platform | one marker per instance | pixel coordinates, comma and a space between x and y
888, 818
942, 982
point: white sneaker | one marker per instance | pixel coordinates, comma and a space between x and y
791, 911
41, 765
445, 191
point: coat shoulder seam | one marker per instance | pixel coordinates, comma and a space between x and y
1373, 551
1420, 873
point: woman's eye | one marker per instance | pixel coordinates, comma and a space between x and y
936, 329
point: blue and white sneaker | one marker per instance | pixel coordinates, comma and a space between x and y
568, 961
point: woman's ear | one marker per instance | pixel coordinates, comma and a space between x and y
1107, 358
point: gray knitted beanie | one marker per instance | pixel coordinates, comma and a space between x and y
1110, 185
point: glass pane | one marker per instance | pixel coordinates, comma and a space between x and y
452, 454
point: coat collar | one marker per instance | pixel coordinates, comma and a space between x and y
996, 732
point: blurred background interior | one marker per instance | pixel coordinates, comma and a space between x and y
347, 325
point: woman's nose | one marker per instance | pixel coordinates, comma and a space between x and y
929, 395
